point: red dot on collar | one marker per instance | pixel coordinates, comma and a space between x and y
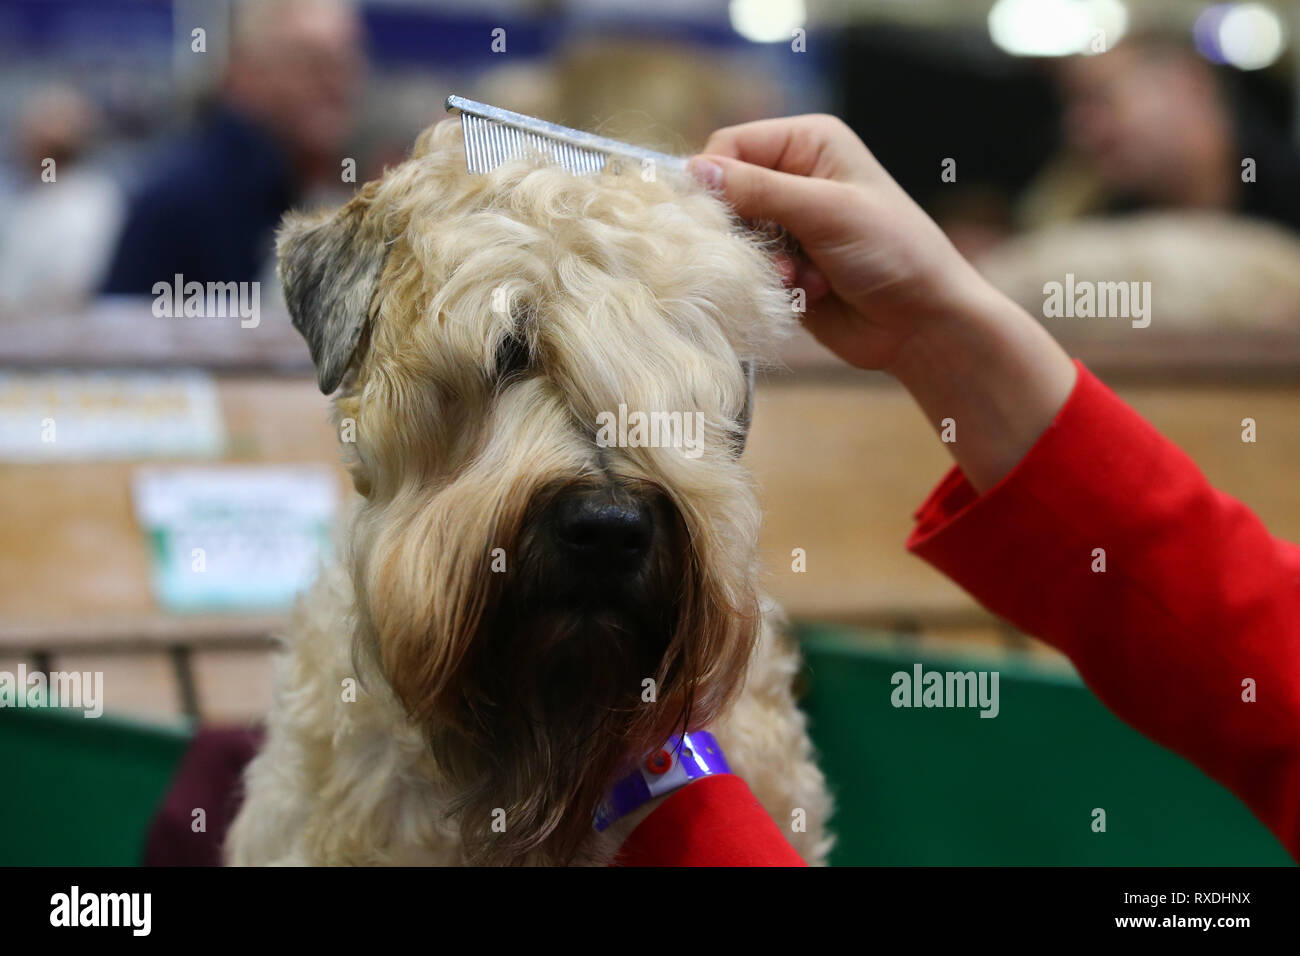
661, 762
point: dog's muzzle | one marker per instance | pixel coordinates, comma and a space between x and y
611, 546
599, 532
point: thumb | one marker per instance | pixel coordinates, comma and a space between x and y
757, 193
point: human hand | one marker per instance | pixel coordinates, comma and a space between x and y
887, 290
877, 269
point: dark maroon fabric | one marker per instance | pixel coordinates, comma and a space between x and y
210, 778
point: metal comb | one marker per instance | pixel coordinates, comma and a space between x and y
494, 136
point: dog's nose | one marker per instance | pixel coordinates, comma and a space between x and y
601, 533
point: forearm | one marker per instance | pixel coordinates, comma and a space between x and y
994, 371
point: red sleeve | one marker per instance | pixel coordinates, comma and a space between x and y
1196, 596
711, 822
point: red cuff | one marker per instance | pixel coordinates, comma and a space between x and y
716, 821
954, 496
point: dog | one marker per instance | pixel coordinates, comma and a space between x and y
521, 612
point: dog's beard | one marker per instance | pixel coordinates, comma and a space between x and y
552, 698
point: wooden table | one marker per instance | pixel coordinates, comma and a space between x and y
842, 458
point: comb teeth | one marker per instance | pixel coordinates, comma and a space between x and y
488, 144
494, 136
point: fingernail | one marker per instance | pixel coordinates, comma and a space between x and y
706, 172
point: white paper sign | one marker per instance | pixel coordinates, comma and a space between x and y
239, 537
114, 415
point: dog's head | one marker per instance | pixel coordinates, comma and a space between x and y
555, 560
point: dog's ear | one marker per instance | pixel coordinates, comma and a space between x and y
329, 266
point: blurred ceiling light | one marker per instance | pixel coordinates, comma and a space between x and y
767, 21
1205, 32
1248, 36
1057, 27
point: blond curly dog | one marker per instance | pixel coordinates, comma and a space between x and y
524, 610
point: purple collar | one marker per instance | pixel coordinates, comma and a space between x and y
682, 759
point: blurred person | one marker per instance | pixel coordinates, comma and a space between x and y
641, 90
208, 207
657, 91
1151, 124
58, 232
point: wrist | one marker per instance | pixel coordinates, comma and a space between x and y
994, 372
973, 317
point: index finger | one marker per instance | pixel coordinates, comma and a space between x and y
798, 145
